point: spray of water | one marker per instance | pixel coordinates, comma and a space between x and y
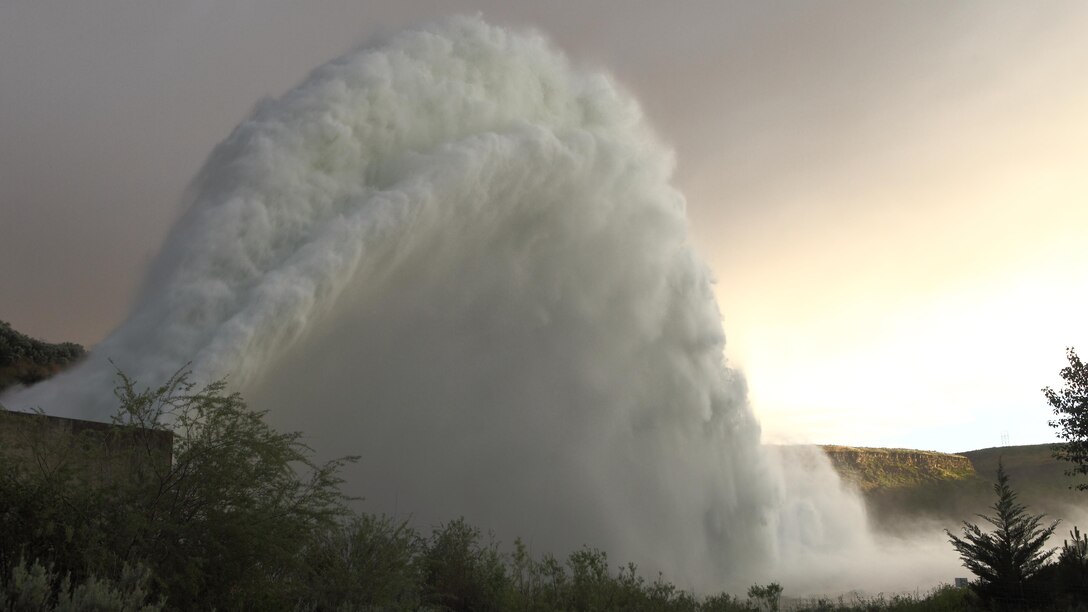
459, 257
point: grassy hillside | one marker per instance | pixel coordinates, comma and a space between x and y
872, 469
1034, 467
25, 360
902, 486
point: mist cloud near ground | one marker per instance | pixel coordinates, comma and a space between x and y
461, 258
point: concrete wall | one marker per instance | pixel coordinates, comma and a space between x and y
98, 452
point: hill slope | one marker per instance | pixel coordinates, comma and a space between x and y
25, 360
871, 469
903, 486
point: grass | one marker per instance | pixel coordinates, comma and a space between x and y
901, 485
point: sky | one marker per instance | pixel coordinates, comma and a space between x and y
892, 195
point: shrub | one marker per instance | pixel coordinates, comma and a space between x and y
224, 524
461, 572
371, 562
765, 597
34, 587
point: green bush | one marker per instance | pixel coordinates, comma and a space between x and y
224, 524
765, 598
240, 517
47, 511
371, 562
1069, 576
36, 588
942, 599
463, 573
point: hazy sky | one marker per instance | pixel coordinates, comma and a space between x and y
893, 196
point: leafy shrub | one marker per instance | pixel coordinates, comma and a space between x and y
766, 597
34, 587
461, 572
240, 517
1070, 573
224, 524
371, 562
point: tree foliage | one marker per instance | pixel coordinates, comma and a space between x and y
370, 561
1071, 572
1070, 405
376, 563
35, 587
240, 517
239, 502
224, 524
25, 360
1005, 559
766, 596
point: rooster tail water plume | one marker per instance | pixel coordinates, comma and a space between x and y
459, 257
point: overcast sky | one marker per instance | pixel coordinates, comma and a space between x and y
893, 196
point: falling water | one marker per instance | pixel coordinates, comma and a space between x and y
461, 258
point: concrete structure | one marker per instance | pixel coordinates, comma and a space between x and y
98, 452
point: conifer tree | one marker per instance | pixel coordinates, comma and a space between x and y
1007, 558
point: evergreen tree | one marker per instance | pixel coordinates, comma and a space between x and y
1006, 559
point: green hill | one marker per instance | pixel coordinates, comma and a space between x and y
903, 486
25, 360
871, 469
1034, 467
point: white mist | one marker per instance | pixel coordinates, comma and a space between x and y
459, 257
